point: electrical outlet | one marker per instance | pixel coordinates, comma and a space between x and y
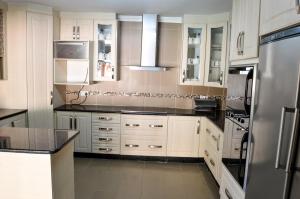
84, 93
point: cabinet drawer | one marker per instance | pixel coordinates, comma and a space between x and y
157, 123
104, 139
131, 145
109, 118
105, 149
106, 128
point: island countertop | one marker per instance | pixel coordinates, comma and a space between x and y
34, 140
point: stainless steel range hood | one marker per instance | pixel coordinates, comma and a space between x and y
149, 45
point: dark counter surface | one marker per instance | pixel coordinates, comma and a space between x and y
6, 113
31, 140
217, 117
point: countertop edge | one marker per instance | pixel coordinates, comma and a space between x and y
18, 112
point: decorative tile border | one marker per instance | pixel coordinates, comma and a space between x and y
147, 94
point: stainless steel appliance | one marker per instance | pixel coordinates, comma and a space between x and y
274, 154
73, 49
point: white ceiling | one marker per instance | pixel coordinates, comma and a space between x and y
135, 7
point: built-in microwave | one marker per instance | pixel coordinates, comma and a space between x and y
72, 49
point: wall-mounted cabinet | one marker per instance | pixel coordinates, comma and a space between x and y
3, 69
193, 59
244, 30
105, 62
76, 29
204, 52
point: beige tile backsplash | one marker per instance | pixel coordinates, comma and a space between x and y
169, 54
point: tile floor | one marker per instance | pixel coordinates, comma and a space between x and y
124, 179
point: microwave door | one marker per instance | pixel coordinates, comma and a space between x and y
71, 50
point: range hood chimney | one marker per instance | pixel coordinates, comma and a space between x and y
149, 45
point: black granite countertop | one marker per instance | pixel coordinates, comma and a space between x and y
31, 140
217, 117
6, 113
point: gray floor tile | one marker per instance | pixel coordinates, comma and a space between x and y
122, 179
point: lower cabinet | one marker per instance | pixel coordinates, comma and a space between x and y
80, 121
213, 147
15, 121
229, 188
183, 136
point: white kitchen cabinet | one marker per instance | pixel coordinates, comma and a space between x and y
76, 29
183, 136
278, 15
80, 121
244, 30
15, 121
105, 62
193, 57
216, 48
229, 187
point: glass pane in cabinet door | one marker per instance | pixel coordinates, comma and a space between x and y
193, 54
215, 72
105, 68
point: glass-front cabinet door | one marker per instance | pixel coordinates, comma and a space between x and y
105, 64
215, 63
193, 59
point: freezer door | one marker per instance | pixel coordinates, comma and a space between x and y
276, 87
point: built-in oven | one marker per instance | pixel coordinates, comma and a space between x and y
239, 93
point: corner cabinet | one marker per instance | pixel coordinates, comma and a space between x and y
105, 63
275, 16
215, 55
204, 54
77, 121
193, 58
183, 136
244, 30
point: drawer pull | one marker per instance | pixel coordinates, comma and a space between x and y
208, 131
105, 129
236, 149
105, 139
214, 138
155, 126
229, 196
105, 118
240, 129
131, 145
155, 146
132, 125
212, 162
105, 149
198, 127
206, 153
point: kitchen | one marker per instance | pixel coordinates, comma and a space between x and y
149, 99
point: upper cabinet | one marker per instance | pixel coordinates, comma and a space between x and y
3, 69
105, 38
216, 54
204, 50
244, 30
76, 29
194, 36
275, 16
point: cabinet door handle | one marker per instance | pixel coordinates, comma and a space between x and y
105, 149
198, 127
75, 123
155, 126
74, 34
183, 76
238, 43
51, 98
105, 139
71, 123
132, 125
155, 146
105, 118
105, 129
218, 143
242, 42
208, 131
229, 196
240, 129
221, 78
214, 138
297, 2
212, 162
13, 124
78, 33
206, 153
131, 145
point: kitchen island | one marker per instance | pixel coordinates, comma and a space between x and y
37, 163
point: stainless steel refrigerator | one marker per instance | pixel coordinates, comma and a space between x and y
274, 155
